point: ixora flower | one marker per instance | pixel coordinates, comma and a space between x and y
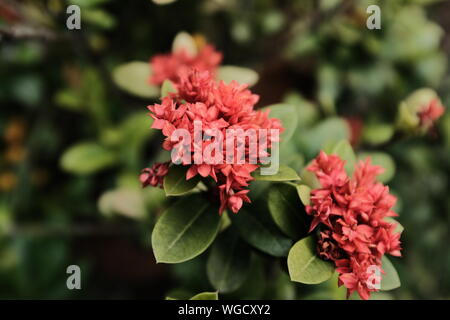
169, 66
430, 112
420, 111
350, 214
205, 112
154, 176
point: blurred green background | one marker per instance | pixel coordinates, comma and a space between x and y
73, 143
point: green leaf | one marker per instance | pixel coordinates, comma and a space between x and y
128, 202
87, 158
229, 262
239, 74
383, 160
390, 280
398, 227
378, 133
167, 87
70, 99
284, 173
344, 150
206, 296
184, 41
288, 116
308, 111
134, 132
329, 87
179, 294
258, 230
407, 120
287, 210
99, 17
88, 3
163, 2
200, 296
175, 183
309, 178
185, 230
280, 286
330, 130
304, 192
255, 284
133, 77
305, 266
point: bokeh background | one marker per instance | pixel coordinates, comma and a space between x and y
57, 91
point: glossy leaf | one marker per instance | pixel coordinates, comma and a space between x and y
88, 3
309, 112
185, 230
309, 178
200, 296
327, 131
175, 183
344, 150
398, 226
229, 262
288, 116
206, 296
133, 77
167, 87
239, 74
390, 280
305, 266
284, 173
377, 133
128, 202
255, 284
87, 158
258, 230
163, 2
287, 211
184, 41
329, 87
304, 192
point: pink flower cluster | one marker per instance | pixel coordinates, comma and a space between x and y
350, 213
219, 107
169, 66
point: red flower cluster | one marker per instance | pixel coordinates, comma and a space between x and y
154, 176
430, 113
350, 212
218, 107
169, 66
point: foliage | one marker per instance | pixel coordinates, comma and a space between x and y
76, 135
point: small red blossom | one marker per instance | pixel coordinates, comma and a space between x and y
169, 66
217, 107
430, 113
350, 212
154, 176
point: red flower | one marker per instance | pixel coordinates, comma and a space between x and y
350, 212
430, 113
154, 176
217, 107
168, 66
